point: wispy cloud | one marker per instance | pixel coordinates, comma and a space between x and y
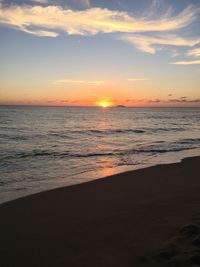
64, 101
194, 52
83, 3
68, 81
40, 1
68, 101
138, 79
191, 62
149, 44
180, 100
90, 21
42, 33
175, 100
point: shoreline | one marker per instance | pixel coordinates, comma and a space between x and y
120, 220
163, 159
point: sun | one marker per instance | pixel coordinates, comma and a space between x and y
104, 103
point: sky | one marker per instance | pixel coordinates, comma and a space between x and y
100, 52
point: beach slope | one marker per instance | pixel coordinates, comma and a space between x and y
147, 217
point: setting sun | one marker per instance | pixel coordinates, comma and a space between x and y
104, 103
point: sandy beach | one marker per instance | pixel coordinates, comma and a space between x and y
147, 217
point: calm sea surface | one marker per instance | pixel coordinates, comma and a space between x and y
48, 147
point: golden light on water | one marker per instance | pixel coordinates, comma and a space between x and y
104, 103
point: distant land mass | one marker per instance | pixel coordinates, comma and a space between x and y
120, 106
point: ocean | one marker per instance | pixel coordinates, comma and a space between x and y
47, 147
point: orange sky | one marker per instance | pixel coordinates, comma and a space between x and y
103, 53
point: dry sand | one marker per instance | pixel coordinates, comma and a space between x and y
148, 217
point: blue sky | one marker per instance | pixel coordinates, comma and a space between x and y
82, 52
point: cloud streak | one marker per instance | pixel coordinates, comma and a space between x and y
194, 52
138, 79
150, 44
181, 100
42, 33
178, 100
90, 21
40, 1
191, 62
68, 81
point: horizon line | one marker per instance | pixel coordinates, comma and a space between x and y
74, 106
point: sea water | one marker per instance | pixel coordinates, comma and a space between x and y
47, 147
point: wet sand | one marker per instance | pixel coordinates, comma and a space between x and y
148, 217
